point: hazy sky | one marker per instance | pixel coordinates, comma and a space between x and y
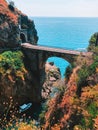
68, 8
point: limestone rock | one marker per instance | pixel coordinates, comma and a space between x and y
10, 22
52, 76
21, 91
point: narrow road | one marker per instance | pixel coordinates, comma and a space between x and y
50, 49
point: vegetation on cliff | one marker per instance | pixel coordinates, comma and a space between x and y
11, 64
16, 81
13, 76
76, 107
4, 10
11, 23
93, 42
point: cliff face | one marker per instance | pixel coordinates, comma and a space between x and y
21, 84
53, 76
75, 106
9, 30
9, 26
15, 81
28, 25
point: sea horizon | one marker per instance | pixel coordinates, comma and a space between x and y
71, 33
65, 16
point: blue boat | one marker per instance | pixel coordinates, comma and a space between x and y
25, 107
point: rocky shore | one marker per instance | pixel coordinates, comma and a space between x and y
52, 76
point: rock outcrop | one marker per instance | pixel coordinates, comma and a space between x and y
52, 76
9, 30
75, 105
27, 24
11, 24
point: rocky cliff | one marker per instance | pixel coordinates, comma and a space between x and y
17, 81
70, 106
53, 76
11, 24
9, 30
75, 106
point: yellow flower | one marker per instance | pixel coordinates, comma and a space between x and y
96, 70
24, 126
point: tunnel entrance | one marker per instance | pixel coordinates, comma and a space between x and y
23, 37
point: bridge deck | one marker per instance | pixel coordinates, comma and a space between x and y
50, 49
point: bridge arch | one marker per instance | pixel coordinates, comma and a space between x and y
60, 62
65, 57
23, 37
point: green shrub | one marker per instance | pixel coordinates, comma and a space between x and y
93, 66
93, 42
83, 123
11, 60
68, 71
95, 51
84, 74
93, 111
87, 122
82, 78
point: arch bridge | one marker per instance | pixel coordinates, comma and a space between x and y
36, 57
43, 53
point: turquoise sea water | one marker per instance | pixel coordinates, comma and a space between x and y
70, 33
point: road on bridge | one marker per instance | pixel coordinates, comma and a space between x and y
50, 49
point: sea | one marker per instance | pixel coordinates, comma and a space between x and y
65, 32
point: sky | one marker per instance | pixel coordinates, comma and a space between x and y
59, 8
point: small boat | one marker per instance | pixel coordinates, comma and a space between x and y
25, 107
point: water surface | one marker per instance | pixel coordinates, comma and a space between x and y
68, 33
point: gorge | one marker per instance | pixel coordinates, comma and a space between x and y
25, 77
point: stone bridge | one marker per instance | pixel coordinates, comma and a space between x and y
44, 52
35, 57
